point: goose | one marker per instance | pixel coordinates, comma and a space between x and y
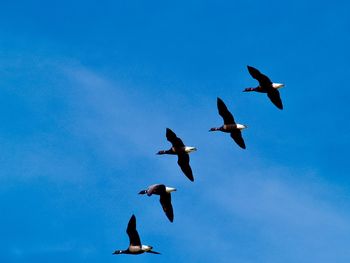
229, 124
165, 197
182, 152
266, 86
135, 246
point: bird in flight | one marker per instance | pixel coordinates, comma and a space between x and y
135, 246
165, 197
178, 148
266, 86
230, 126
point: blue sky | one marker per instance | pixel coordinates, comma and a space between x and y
88, 88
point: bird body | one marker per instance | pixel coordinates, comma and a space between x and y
178, 150
165, 198
229, 127
135, 246
262, 90
181, 150
157, 189
136, 250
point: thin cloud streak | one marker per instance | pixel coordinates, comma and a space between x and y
282, 210
104, 111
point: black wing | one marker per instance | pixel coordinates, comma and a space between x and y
171, 137
237, 137
184, 163
224, 112
134, 237
264, 81
165, 201
274, 96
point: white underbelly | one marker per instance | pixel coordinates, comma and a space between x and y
240, 126
189, 149
146, 248
277, 85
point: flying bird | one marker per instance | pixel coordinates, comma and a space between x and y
182, 152
230, 126
266, 86
135, 246
165, 198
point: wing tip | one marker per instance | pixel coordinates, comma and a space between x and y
190, 176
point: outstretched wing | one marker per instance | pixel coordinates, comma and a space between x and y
171, 137
264, 81
165, 201
274, 96
224, 112
134, 237
237, 137
184, 163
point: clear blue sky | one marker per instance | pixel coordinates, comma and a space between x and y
88, 88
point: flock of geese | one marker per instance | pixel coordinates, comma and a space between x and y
182, 151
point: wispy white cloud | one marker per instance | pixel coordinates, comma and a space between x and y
281, 214
105, 111
282, 218
262, 214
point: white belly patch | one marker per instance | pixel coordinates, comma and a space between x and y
146, 248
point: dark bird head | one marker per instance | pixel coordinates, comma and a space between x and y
161, 152
117, 252
214, 129
143, 192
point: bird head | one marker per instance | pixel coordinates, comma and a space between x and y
248, 89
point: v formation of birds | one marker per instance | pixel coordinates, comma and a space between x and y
182, 151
